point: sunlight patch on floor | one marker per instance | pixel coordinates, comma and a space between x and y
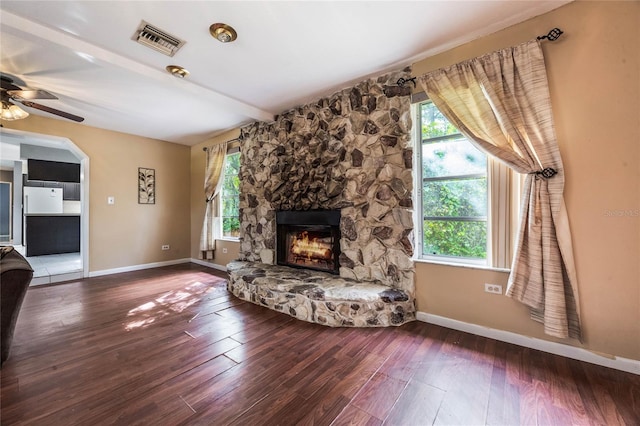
173, 302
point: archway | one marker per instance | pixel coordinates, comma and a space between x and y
12, 136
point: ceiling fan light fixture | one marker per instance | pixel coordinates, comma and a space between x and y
223, 33
11, 112
177, 71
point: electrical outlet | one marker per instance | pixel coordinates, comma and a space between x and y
493, 288
224, 249
166, 247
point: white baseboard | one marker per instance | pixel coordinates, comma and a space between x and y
138, 267
209, 264
618, 363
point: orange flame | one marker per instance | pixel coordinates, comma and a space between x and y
302, 245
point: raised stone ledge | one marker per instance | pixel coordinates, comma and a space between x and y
320, 297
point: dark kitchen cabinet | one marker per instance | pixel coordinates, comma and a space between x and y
71, 191
52, 234
55, 171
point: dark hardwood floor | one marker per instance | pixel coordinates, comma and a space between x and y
170, 346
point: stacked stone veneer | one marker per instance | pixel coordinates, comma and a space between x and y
319, 296
350, 151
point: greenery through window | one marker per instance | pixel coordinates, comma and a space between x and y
454, 190
230, 196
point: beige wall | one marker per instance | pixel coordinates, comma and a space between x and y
594, 76
128, 233
198, 160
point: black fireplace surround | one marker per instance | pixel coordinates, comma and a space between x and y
320, 231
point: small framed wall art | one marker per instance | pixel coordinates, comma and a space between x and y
146, 186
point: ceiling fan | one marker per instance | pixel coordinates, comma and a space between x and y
12, 93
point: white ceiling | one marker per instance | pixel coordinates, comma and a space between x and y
287, 53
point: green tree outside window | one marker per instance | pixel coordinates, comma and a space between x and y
454, 190
230, 196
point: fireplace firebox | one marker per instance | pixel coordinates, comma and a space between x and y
309, 239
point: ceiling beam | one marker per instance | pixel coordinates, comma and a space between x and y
19, 24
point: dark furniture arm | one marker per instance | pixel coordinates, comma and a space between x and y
15, 276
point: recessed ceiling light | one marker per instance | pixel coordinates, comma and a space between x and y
177, 71
223, 32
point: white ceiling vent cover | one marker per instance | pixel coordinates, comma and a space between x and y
157, 39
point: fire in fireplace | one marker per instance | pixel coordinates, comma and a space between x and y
309, 239
309, 249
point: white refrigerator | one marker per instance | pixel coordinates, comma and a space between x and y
42, 200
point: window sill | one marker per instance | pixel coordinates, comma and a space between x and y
461, 265
230, 239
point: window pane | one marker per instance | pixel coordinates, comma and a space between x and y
457, 198
230, 199
232, 164
454, 187
433, 122
455, 238
230, 227
452, 158
230, 206
230, 185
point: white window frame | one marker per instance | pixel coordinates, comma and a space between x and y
502, 209
230, 151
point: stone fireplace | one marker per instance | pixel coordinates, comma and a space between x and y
349, 153
309, 239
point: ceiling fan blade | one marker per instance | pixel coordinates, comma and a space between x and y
28, 94
52, 111
7, 83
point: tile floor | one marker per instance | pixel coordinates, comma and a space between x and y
53, 267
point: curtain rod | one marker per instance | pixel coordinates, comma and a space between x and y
230, 140
552, 35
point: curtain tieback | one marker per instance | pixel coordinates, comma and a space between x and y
207, 200
546, 173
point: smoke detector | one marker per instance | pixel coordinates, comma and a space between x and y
157, 39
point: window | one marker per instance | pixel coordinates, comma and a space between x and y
467, 204
230, 196
453, 190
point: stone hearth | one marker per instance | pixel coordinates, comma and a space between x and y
320, 297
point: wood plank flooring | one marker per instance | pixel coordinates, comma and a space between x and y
170, 346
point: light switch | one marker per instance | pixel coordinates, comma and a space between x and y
111, 200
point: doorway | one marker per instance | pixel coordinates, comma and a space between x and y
56, 267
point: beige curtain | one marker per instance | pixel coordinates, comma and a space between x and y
212, 181
503, 188
501, 102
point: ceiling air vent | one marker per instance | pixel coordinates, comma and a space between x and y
157, 39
